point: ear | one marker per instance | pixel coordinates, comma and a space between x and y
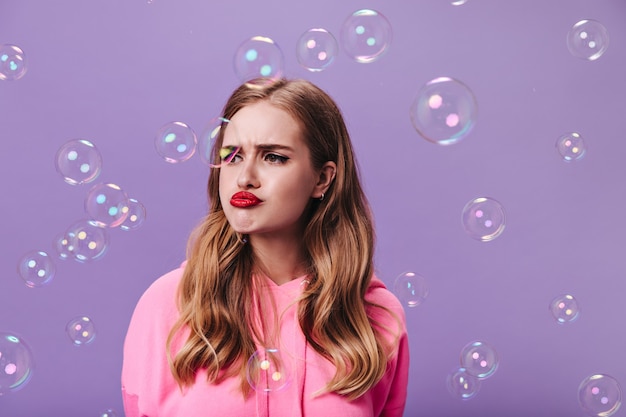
325, 179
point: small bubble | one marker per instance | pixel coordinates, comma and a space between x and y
175, 142
81, 330
36, 268
366, 35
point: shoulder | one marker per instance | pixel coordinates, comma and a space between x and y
378, 294
164, 285
145, 370
158, 302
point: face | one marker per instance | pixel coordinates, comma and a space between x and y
267, 186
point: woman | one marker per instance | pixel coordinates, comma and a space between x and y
276, 311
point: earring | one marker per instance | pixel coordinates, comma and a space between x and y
322, 197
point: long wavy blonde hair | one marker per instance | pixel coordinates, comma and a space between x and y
216, 287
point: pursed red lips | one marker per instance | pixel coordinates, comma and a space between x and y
244, 199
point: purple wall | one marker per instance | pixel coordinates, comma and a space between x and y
113, 72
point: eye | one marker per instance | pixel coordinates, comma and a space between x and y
230, 154
275, 158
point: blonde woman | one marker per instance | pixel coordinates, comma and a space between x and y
276, 311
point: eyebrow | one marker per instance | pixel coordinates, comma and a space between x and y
266, 147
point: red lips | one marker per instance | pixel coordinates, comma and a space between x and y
244, 199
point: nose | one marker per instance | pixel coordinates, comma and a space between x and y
248, 175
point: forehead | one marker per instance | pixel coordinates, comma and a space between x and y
263, 122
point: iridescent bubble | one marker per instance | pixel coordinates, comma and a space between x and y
588, 39
78, 161
316, 49
36, 268
62, 246
258, 57
86, 241
81, 330
411, 289
571, 146
136, 215
208, 137
12, 62
564, 308
108, 413
366, 35
479, 359
600, 395
267, 371
444, 111
462, 385
106, 205
175, 142
16, 363
483, 219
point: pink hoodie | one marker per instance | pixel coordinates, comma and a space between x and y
150, 390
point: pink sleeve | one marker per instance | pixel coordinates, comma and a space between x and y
392, 390
394, 406
146, 378
131, 405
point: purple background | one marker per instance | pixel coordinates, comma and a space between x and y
113, 72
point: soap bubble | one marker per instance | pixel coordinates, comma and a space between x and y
175, 142
411, 289
459, 2
267, 371
209, 136
108, 413
78, 161
316, 49
564, 308
588, 39
36, 268
444, 111
12, 62
600, 395
571, 146
86, 241
462, 385
258, 57
366, 35
16, 363
483, 219
107, 205
62, 246
81, 330
136, 215
479, 359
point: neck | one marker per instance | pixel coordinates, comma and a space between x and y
280, 259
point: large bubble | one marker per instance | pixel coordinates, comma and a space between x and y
257, 57
588, 39
444, 111
366, 35
16, 363
12, 62
175, 142
107, 205
78, 161
600, 395
483, 219
411, 289
267, 371
316, 49
36, 268
479, 359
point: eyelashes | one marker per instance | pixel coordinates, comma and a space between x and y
228, 154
